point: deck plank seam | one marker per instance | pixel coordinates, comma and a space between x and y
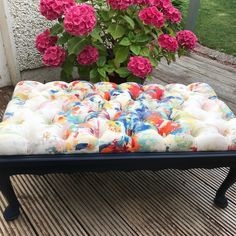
71, 212
204, 212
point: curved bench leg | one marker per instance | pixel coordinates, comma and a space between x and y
220, 199
12, 211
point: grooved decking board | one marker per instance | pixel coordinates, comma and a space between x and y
156, 196
88, 206
202, 67
45, 210
214, 179
20, 227
213, 64
203, 196
165, 203
179, 74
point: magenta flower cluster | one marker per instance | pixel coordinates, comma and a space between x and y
88, 56
173, 14
139, 66
54, 56
151, 16
44, 40
141, 2
54, 9
168, 42
80, 20
120, 4
162, 4
187, 39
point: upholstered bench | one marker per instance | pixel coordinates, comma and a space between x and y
61, 127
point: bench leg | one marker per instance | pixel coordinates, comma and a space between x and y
13, 209
220, 199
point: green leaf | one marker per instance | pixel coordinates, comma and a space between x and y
125, 42
65, 77
153, 61
56, 29
144, 52
171, 32
96, 34
68, 65
129, 21
64, 38
109, 68
181, 52
100, 46
131, 36
149, 77
105, 15
116, 30
121, 54
93, 73
84, 71
155, 36
147, 29
135, 79
112, 13
135, 49
95, 80
156, 50
102, 72
101, 61
142, 38
76, 45
104, 79
123, 72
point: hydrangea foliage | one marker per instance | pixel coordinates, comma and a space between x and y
108, 39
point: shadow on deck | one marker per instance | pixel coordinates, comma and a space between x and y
169, 202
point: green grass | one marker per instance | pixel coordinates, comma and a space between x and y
216, 25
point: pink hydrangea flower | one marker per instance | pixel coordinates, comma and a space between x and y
120, 4
168, 42
54, 56
44, 40
88, 56
151, 16
173, 14
162, 4
67, 5
53, 9
80, 20
139, 66
141, 2
187, 39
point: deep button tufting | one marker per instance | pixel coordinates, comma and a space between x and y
58, 117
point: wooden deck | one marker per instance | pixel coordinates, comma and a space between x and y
169, 202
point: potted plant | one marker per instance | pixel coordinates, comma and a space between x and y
112, 40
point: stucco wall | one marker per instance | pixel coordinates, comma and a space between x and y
26, 24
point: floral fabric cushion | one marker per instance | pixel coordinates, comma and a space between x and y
81, 117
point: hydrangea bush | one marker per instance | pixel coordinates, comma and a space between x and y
111, 39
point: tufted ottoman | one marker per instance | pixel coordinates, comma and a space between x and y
61, 127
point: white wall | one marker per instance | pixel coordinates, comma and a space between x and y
4, 72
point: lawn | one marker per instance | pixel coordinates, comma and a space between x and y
216, 25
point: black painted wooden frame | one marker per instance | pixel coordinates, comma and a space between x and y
66, 163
